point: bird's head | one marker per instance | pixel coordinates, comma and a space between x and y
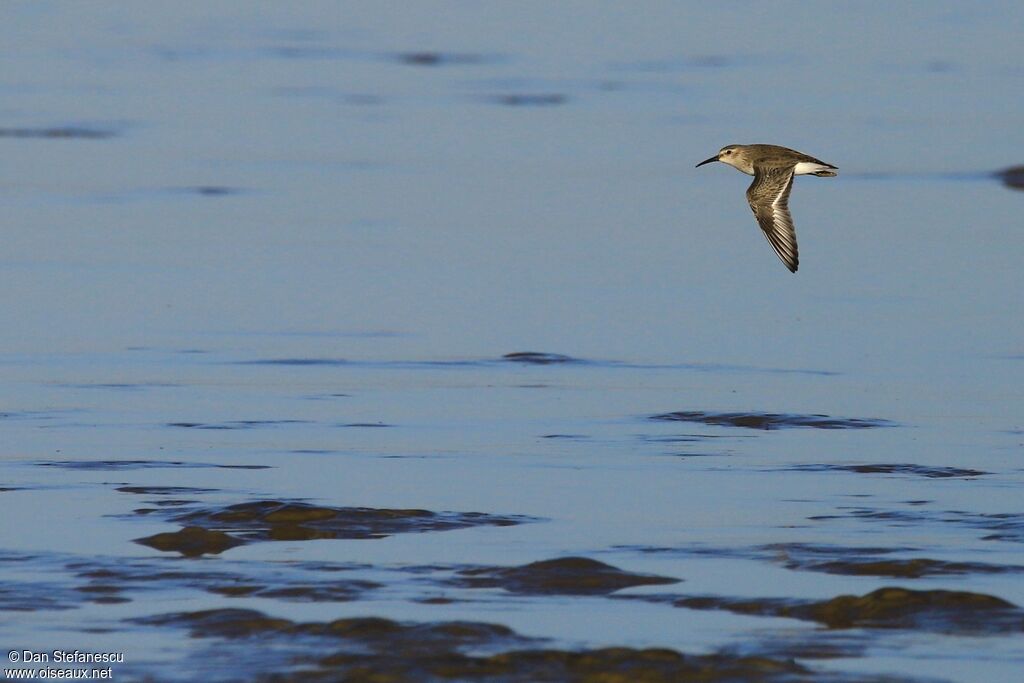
730, 154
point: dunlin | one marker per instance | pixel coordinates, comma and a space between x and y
773, 168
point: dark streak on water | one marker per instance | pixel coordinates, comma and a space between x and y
442, 58
528, 358
529, 99
59, 133
116, 465
897, 562
769, 421
537, 358
893, 468
1007, 527
163, 490
237, 424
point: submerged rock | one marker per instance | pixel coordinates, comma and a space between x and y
566, 576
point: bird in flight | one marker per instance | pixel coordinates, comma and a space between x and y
773, 168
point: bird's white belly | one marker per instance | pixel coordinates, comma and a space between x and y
806, 167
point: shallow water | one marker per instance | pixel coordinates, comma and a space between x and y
258, 252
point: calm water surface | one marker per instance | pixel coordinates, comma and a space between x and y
265, 252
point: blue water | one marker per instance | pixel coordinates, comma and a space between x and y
279, 219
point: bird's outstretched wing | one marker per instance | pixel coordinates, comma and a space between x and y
769, 198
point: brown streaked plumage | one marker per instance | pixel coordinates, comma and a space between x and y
773, 168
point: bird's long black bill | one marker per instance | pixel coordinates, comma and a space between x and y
707, 161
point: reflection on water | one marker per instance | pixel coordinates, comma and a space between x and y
276, 278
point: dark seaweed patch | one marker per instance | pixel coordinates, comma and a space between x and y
871, 562
398, 638
939, 611
562, 576
272, 520
844, 560
769, 421
914, 568
192, 541
894, 468
376, 649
